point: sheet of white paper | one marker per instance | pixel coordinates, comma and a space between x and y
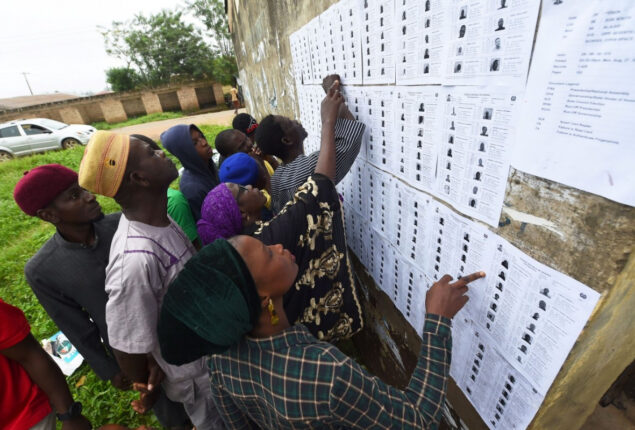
475, 147
377, 20
300, 52
578, 127
417, 116
346, 38
378, 117
316, 50
489, 41
309, 101
420, 35
521, 321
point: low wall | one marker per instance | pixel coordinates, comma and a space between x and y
117, 107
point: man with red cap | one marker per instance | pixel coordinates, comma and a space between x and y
67, 274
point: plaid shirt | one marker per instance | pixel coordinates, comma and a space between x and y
294, 381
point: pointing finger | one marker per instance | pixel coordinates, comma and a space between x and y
467, 279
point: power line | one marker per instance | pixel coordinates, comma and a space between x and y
27, 82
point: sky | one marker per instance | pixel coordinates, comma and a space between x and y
59, 45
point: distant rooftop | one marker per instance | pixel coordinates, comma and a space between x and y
24, 101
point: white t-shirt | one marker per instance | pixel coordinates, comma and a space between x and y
143, 261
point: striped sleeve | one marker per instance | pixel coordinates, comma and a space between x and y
287, 178
361, 401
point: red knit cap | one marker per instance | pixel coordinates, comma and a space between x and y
40, 186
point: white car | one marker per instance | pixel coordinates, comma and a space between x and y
28, 136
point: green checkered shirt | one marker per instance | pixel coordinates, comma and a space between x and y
294, 381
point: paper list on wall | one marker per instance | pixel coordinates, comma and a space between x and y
502, 396
417, 113
525, 315
346, 41
377, 113
316, 50
489, 40
299, 44
475, 148
309, 101
377, 20
580, 99
420, 31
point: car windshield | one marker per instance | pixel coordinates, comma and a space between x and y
52, 124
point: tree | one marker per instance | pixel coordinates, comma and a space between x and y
224, 70
122, 78
161, 48
212, 16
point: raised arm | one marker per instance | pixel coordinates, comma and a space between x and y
361, 401
330, 105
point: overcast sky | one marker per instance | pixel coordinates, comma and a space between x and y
58, 43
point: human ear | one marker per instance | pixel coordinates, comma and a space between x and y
286, 141
137, 177
48, 215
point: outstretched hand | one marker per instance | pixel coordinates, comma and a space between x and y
328, 81
331, 104
446, 298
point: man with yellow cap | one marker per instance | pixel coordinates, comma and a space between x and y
148, 250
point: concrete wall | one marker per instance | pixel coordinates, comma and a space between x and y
116, 107
582, 235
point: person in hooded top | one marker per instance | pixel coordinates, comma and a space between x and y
189, 145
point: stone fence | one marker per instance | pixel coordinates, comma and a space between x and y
117, 107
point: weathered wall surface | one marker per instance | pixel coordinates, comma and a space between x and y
116, 107
582, 235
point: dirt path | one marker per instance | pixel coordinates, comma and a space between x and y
154, 129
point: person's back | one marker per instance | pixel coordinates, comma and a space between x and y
328, 389
188, 144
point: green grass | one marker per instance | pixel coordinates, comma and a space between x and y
102, 125
20, 237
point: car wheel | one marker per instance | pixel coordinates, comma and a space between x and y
5, 156
69, 143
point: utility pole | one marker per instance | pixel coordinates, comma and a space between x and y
27, 81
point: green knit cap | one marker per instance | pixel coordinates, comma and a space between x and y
210, 305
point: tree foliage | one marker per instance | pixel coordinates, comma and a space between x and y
163, 48
212, 16
122, 78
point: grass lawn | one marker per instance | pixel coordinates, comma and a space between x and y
20, 237
103, 125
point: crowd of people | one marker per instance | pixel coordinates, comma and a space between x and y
220, 303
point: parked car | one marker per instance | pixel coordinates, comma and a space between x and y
28, 136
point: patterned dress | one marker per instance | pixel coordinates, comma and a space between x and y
311, 227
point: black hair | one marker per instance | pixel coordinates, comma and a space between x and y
223, 142
242, 121
269, 136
